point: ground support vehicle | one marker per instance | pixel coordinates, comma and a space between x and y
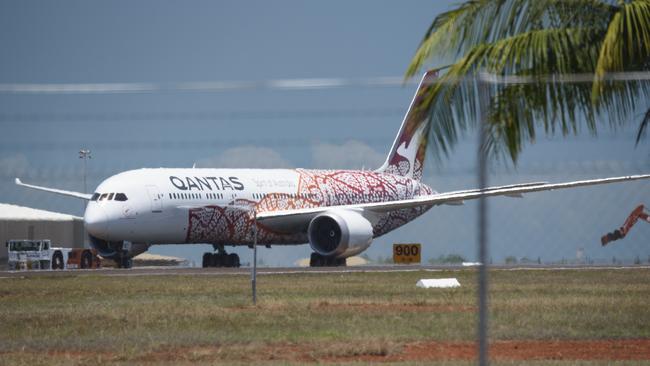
39, 254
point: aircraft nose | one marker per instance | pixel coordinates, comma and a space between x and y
96, 221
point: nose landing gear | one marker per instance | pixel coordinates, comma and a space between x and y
220, 258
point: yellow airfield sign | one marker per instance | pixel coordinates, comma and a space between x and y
407, 253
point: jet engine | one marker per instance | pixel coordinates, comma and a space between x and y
339, 233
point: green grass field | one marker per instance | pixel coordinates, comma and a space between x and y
304, 318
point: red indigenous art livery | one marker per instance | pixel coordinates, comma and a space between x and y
231, 224
337, 212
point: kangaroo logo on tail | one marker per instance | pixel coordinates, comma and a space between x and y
406, 156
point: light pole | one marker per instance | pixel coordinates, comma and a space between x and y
85, 155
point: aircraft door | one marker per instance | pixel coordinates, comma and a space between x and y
156, 198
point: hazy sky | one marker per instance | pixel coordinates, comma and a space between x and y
167, 43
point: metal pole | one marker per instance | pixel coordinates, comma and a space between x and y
254, 271
483, 91
85, 155
85, 187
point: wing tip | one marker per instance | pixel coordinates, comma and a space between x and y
18, 181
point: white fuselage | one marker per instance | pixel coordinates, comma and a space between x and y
173, 206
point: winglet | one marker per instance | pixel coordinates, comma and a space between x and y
18, 182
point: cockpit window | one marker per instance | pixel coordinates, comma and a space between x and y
103, 196
94, 197
110, 196
120, 197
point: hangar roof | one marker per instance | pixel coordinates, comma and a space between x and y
16, 213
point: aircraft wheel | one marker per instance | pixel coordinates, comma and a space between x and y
215, 260
226, 260
234, 260
317, 260
207, 260
127, 262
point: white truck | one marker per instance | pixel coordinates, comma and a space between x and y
39, 254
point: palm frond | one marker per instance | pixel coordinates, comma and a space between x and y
535, 37
455, 32
643, 126
626, 44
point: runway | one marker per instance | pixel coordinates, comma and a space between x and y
266, 271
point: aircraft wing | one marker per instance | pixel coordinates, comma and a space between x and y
83, 196
516, 190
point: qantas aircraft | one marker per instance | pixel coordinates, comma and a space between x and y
338, 212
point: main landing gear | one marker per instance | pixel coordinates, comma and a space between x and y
124, 261
318, 260
220, 258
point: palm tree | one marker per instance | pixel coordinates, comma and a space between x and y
535, 39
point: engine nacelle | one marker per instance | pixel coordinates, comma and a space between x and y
339, 233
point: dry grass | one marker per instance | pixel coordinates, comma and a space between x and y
187, 319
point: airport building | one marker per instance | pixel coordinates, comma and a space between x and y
18, 222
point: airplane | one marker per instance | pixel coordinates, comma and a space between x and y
338, 212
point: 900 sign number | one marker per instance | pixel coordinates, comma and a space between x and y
407, 253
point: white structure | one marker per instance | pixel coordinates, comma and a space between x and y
437, 283
18, 222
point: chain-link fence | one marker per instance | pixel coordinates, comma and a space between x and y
556, 228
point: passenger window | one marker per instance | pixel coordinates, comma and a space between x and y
103, 196
94, 197
120, 197
110, 196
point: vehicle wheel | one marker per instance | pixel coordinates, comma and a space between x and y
57, 260
127, 262
86, 260
207, 260
234, 260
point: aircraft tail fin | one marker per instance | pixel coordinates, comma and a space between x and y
406, 156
